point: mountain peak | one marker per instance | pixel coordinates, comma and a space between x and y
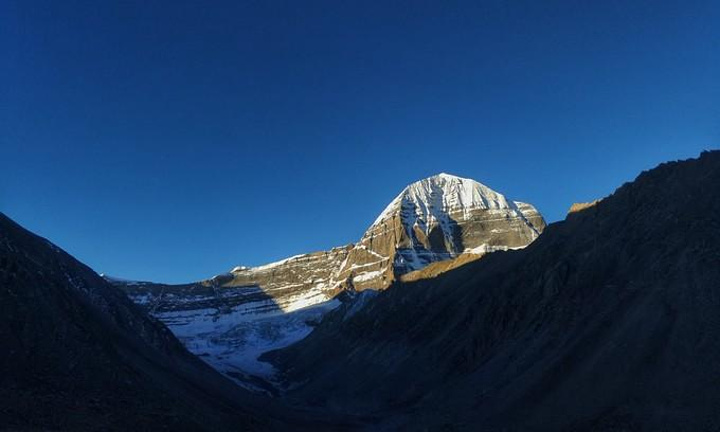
444, 177
447, 176
442, 216
445, 193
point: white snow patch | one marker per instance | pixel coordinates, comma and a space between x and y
484, 248
362, 277
233, 342
266, 266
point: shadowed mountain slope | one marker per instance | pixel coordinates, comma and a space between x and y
77, 354
608, 321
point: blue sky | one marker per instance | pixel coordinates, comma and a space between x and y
171, 141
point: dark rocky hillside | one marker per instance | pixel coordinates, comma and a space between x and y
77, 354
609, 321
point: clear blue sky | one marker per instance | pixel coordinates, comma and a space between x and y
172, 140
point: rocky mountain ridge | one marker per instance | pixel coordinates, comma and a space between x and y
232, 318
434, 219
607, 322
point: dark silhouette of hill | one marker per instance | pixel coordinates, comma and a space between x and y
77, 354
609, 321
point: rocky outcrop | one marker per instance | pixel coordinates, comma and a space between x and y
577, 207
296, 282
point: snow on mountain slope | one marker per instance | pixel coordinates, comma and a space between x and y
230, 327
436, 196
233, 318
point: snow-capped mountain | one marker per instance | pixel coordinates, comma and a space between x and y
431, 220
233, 318
442, 217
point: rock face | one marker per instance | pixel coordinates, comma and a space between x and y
607, 322
439, 218
233, 318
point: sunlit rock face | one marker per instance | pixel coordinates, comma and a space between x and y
296, 282
435, 219
234, 317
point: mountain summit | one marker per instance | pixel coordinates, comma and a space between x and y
443, 216
444, 193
